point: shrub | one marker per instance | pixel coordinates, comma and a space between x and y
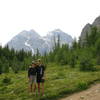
86, 64
72, 61
62, 62
1, 67
82, 85
6, 80
98, 60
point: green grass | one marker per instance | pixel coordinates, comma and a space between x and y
60, 81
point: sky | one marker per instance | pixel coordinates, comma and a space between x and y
46, 15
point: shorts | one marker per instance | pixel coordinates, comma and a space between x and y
32, 79
40, 80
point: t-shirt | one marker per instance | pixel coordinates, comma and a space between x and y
40, 70
31, 71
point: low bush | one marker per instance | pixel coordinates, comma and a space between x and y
6, 80
86, 64
82, 85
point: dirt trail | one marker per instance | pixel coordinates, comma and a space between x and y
92, 93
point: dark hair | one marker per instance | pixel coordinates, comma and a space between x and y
34, 63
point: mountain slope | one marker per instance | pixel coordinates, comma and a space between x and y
64, 37
53, 36
27, 40
87, 28
96, 22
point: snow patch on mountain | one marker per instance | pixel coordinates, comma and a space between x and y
28, 45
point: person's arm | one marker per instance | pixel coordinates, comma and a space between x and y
43, 76
28, 72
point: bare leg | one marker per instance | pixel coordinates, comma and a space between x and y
34, 88
42, 89
30, 85
30, 88
38, 88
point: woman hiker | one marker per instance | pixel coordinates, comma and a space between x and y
40, 76
32, 77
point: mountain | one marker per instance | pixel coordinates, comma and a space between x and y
96, 22
87, 28
27, 40
64, 37
31, 40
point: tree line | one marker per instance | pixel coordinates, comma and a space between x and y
11, 60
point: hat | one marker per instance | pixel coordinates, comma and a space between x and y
33, 62
39, 60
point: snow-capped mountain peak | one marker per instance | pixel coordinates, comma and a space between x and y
31, 40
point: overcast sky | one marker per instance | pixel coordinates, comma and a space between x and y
45, 15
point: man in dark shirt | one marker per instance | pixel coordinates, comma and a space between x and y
32, 76
40, 76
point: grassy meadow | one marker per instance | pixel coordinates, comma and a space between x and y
60, 81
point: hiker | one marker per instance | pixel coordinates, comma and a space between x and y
40, 76
32, 77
